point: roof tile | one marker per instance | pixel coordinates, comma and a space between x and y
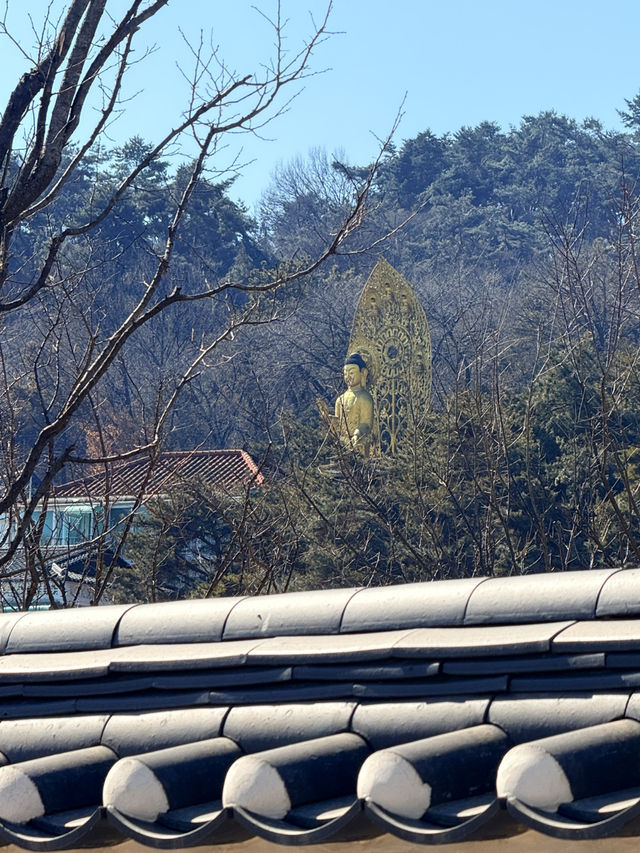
333, 666
148, 476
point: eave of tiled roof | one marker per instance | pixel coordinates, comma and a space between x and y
435, 712
223, 469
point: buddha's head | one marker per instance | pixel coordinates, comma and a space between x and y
355, 371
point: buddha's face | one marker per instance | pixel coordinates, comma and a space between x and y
352, 375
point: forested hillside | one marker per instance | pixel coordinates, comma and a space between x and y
522, 246
478, 221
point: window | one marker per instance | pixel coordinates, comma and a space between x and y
117, 516
76, 525
49, 533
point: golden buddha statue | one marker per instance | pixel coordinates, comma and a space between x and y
388, 373
352, 420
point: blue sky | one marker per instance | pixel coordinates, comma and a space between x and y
452, 62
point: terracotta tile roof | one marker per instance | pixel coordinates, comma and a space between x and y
435, 712
223, 469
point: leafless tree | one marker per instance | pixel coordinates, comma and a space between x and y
74, 346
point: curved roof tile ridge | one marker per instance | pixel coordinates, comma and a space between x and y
537, 597
65, 630
620, 595
430, 680
194, 620
584, 596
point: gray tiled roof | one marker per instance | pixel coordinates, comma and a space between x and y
435, 712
